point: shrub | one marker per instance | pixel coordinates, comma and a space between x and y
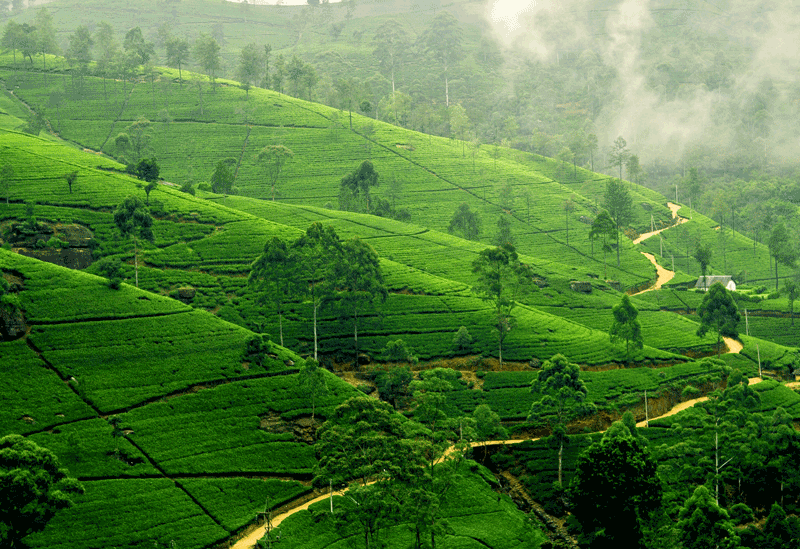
741, 514
56, 242
773, 295
204, 187
40, 244
398, 351
188, 188
690, 392
462, 341
365, 388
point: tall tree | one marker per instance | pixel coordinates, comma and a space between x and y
615, 489
626, 326
273, 275
312, 383
442, 40
718, 312
466, 222
358, 184
206, 53
559, 397
250, 64
133, 220
459, 125
178, 53
223, 177
359, 281
781, 249
633, 168
502, 280
591, 146
109, 49
347, 90
139, 48
318, 248
603, 227
391, 47
134, 142
791, 286
703, 254
13, 36
275, 158
33, 488
617, 200
693, 185
618, 154
80, 49
45, 36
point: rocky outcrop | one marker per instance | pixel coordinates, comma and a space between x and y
12, 324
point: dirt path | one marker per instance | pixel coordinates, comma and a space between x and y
662, 275
259, 531
674, 209
733, 345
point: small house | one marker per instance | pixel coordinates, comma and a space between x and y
705, 282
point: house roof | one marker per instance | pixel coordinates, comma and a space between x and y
711, 280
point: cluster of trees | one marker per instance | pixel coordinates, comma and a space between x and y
697, 493
355, 196
322, 270
401, 467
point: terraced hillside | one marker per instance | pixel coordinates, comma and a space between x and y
197, 444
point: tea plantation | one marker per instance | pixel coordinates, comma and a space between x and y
172, 402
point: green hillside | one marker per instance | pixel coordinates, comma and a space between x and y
173, 403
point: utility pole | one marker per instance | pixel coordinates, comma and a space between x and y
646, 415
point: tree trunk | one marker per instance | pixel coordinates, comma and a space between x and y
280, 326
617, 246
315, 329
776, 273
355, 336
136, 261
560, 455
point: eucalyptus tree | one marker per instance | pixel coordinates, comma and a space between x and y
603, 227
618, 154
45, 37
318, 250
206, 54
273, 275
703, 254
559, 397
442, 41
274, 157
109, 50
250, 65
359, 282
391, 48
80, 50
502, 280
178, 53
133, 220
617, 200
626, 326
781, 248
718, 313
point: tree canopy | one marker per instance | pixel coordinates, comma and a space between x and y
718, 313
502, 280
33, 488
626, 326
